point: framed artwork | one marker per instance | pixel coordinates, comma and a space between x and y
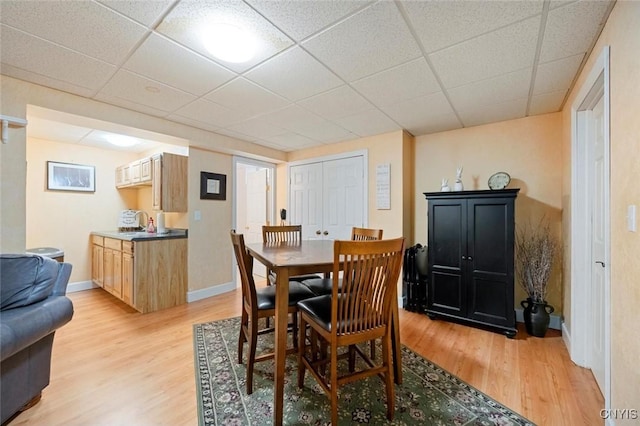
213, 186
70, 177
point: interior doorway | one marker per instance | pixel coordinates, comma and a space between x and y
590, 329
254, 201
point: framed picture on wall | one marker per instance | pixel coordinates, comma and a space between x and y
70, 177
213, 186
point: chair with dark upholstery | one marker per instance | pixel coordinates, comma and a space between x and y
33, 306
284, 234
361, 312
260, 303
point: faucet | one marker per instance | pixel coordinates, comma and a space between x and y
144, 224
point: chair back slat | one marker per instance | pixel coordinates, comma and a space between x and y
365, 234
277, 234
245, 265
370, 274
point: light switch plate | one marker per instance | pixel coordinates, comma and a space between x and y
631, 218
197, 215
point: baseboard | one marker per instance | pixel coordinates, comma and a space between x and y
193, 296
80, 286
554, 323
566, 337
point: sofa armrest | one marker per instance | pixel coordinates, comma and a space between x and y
60, 286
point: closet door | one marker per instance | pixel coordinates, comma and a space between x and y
327, 198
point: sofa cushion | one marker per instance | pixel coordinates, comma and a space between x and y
26, 279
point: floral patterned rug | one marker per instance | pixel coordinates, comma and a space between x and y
428, 395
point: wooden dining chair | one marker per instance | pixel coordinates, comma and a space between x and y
361, 312
260, 303
365, 234
283, 234
322, 286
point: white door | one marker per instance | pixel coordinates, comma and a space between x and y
598, 241
327, 197
257, 213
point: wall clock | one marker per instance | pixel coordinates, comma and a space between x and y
499, 180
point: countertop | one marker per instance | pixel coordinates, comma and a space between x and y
172, 233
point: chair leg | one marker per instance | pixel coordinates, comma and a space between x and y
243, 336
294, 335
334, 386
253, 342
388, 377
372, 343
301, 351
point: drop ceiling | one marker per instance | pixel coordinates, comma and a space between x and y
325, 71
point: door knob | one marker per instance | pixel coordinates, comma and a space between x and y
600, 262
325, 233
318, 232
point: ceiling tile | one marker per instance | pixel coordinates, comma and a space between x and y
258, 128
189, 121
87, 27
243, 95
441, 123
60, 67
164, 60
412, 113
204, 111
236, 135
440, 24
492, 113
324, 131
45, 81
145, 12
547, 102
571, 29
406, 81
291, 141
368, 42
498, 52
299, 19
368, 123
142, 91
305, 76
187, 20
293, 118
336, 103
557, 75
506, 87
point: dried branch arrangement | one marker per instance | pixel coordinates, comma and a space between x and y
536, 252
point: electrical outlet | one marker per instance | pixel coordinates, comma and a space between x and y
197, 215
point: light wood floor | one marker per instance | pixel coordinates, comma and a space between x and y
114, 366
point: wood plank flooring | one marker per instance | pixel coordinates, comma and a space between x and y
114, 366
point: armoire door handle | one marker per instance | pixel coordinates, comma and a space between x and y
600, 262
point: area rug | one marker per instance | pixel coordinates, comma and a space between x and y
429, 395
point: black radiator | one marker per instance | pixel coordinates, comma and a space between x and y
414, 278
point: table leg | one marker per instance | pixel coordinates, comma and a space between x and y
395, 345
281, 325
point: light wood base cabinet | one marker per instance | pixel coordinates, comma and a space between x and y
147, 275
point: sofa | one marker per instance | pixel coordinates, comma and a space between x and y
33, 306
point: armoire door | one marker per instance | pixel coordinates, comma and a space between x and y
327, 197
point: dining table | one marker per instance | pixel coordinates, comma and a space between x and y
287, 259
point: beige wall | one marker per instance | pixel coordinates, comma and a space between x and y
622, 35
209, 244
529, 149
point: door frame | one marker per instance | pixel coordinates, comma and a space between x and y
578, 338
365, 179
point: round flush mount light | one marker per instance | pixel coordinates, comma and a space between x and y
229, 42
122, 140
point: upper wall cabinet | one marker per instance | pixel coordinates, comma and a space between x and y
165, 173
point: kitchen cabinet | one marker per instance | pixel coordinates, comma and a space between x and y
167, 174
97, 260
169, 182
148, 275
471, 257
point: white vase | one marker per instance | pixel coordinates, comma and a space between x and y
458, 186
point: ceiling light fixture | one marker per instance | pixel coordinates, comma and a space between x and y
229, 43
122, 140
